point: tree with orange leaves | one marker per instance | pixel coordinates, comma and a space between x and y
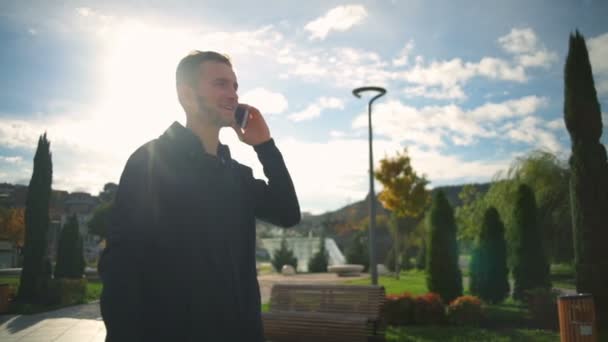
12, 225
404, 194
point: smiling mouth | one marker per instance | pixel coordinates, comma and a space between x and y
231, 108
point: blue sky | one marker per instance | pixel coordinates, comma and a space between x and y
471, 85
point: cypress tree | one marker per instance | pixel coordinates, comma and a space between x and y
318, 263
357, 251
70, 257
530, 266
588, 180
34, 278
489, 272
443, 273
284, 256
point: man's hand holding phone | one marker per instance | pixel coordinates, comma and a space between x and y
255, 130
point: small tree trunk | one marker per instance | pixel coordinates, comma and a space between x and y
397, 254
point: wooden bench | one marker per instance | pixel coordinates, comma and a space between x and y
324, 313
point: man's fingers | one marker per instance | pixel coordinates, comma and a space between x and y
238, 130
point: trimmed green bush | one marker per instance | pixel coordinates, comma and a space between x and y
399, 309
465, 310
429, 309
65, 291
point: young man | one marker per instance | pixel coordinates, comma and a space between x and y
180, 258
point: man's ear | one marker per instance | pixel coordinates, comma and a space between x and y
187, 97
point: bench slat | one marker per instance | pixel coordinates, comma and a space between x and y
321, 312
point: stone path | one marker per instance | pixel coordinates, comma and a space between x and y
80, 323
83, 323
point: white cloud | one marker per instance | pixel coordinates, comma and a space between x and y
339, 172
402, 58
436, 126
519, 41
314, 110
266, 101
11, 160
337, 134
446, 74
557, 124
438, 93
598, 55
32, 31
541, 58
495, 68
529, 130
85, 11
341, 18
429, 126
527, 48
508, 109
444, 79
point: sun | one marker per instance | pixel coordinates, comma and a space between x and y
137, 94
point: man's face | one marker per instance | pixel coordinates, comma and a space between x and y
216, 92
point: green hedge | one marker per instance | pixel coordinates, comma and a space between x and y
64, 291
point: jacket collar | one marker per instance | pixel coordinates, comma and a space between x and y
185, 140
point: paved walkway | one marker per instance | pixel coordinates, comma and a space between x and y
83, 323
80, 323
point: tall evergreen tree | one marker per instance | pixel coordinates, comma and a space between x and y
489, 272
284, 256
443, 272
70, 257
530, 266
33, 276
589, 176
318, 263
357, 251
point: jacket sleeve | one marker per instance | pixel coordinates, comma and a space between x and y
275, 202
119, 266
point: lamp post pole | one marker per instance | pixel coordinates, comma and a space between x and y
372, 195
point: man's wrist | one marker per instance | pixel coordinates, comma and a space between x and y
265, 146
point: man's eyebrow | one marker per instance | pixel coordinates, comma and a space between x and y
227, 80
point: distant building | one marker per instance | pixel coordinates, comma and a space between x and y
8, 254
62, 205
12, 196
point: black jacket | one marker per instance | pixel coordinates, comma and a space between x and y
179, 263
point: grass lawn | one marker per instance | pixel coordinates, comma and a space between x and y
563, 276
413, 282
461, 334
505, 321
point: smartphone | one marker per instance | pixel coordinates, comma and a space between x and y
241, 114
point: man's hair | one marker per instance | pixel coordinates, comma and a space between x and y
187, 69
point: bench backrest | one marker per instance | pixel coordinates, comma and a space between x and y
356, 299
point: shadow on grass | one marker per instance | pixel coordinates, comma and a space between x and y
449, 333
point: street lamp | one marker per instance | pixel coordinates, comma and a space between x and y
372, 195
